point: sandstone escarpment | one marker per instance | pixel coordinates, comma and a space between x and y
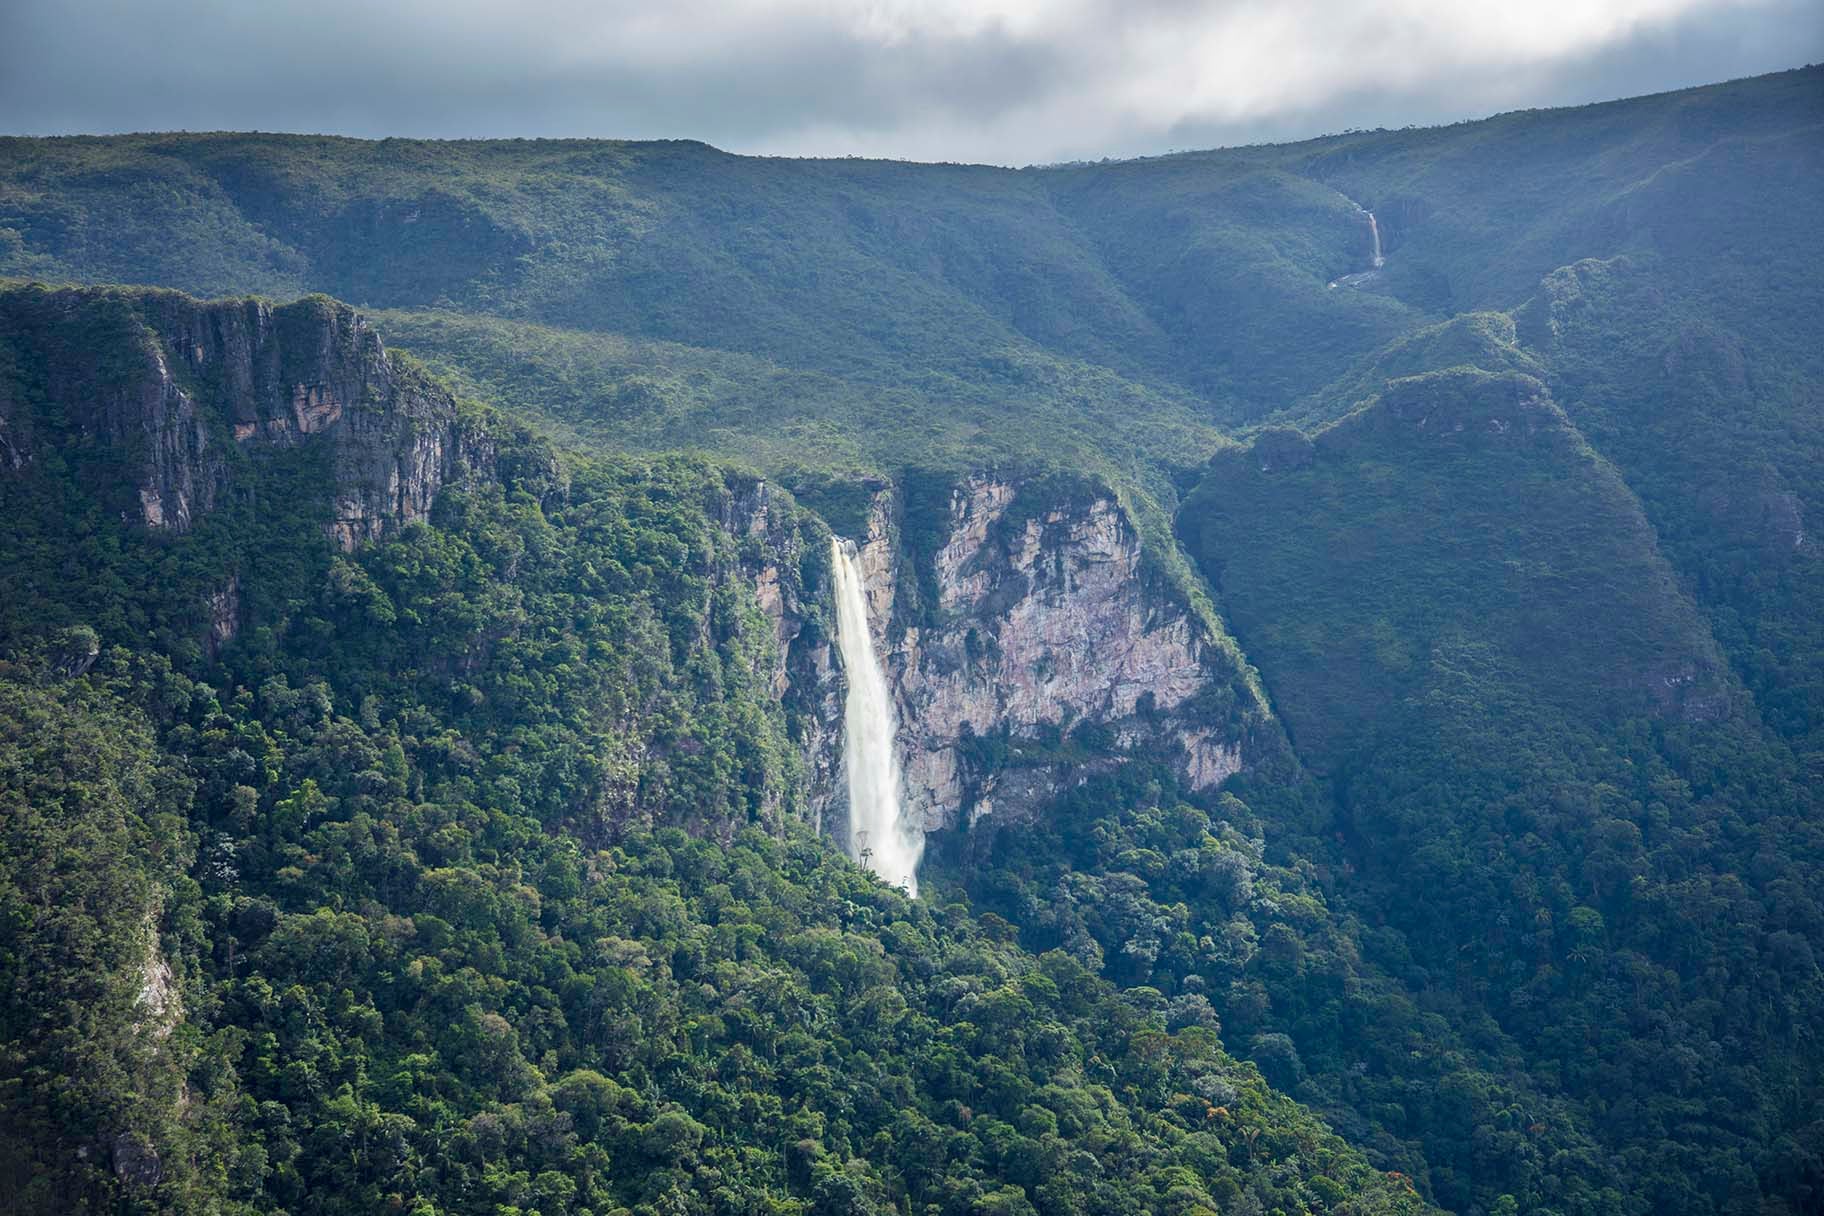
187, 394
1051, 650
1026, 637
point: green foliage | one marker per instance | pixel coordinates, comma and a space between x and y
1460, 505
411, 848
1465, 618
765, 284
101, 925
1534, 585
1695, 388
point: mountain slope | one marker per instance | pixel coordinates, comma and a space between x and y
1459, 505
1547, 778
1206, 272
364, 887
1705, 398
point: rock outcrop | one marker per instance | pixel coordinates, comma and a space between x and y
1052, 650
187, 393
1028, 644
1026, 639
14, 449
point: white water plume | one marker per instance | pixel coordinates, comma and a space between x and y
879, 836
1376, 259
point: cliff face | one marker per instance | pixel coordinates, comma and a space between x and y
190, 391
1050, 651
1027, 644
773, 540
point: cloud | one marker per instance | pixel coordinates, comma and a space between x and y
1007, 81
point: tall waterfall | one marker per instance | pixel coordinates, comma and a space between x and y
1376, 259
879, 837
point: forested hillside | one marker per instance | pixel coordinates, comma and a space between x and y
1204, 273
388, 906
1522, 716
421, 738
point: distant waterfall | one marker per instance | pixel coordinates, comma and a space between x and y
879, 838
1376, 259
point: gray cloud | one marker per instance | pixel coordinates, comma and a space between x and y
1008, 81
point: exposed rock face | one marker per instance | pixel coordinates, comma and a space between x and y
74, 651
159, 1002
224, 609
1034, 622
158, 1011
1695, 690
1046, 623
205, 387
135, 1160
15, 449
772, 544
1047, 649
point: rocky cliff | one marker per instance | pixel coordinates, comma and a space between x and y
1028, 640
184, 394
1034, 643
779, 551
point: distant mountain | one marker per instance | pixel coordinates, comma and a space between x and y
1204, 273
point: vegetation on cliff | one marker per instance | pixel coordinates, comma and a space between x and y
389, 904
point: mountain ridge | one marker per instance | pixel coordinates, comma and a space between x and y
1516, 114
930, 242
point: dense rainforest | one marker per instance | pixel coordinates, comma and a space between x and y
1354, 610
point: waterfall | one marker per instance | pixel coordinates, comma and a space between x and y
1376, 259
879, 837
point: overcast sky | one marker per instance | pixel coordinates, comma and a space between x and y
1005, 81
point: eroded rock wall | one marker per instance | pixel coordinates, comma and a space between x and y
1046, 649
1034, 646
189, 391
